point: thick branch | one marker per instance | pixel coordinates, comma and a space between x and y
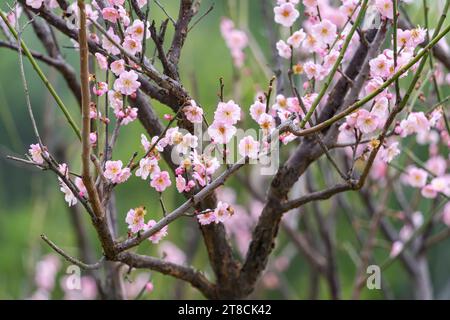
186, 12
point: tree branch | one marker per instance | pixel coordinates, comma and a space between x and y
188, 274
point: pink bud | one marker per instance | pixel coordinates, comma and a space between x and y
434, 149
149, 287
93, 137
191, 184
11, 18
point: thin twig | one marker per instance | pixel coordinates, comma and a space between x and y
71, 259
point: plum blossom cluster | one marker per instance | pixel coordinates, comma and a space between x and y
320, 38
115, 172
135, 220
46, 280
383, 66
406, 232
126, 81
124, 86
235, 39
38, 153
222, 212
283, 108
49, 280
432, 179
324, 36
385, 8
69, 196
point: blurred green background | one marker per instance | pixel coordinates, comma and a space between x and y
30, 200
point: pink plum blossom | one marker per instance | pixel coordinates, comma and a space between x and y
35, 4
311, 43
110, 14
135, 219
193, 112
222, 212
149, 287
437, 165
147, 167
324, 31
296, 38
284, 50
228, 113
418, 36
115, 173
157, 236
116, 2
429, 192
380, 108
221, 132
441, 184
118, 67
101, 60
416, 177
137, 30
131, 45
389, 153
366, 121
313, 70
310, 3
257, 109
384, 7
171, 253
69, 197
126, 115
267, 123
181, 184
206, 218
415, 123
248, 147
36, 153
46, 270
286, 14
81, 187
100, 88
148, 144
380, 66
161, 181
109, 46
189, 142
127, 83
330, 59
403, 37
235, 39
294, 2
